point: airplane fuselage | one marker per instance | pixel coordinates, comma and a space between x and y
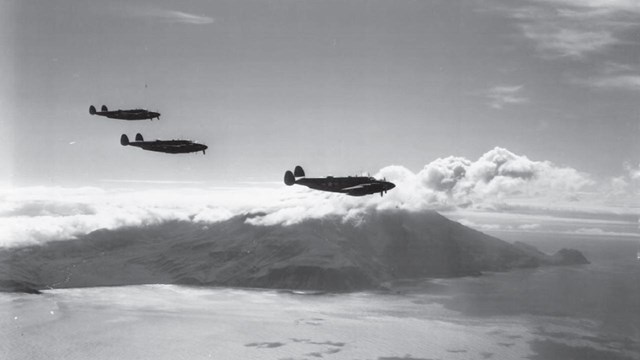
170, 146
134, 114
350, 185
165, 146
129, 114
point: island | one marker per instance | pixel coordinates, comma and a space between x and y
328, 254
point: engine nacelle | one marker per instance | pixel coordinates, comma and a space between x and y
104, 108
298, 172
124, 140
139, 137
92, 110
289, 179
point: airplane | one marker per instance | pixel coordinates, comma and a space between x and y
165, 146
135, 114
351, 185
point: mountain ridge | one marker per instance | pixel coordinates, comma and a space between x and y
328, 254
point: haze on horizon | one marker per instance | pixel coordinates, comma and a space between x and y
536, 101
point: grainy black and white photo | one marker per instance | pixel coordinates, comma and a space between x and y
320, 179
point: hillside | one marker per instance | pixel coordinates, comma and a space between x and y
326, 254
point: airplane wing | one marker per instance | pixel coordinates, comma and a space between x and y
363, 189
174, 148
358, 187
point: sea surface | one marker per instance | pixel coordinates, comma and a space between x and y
573, 312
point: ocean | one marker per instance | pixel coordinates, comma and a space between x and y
573, 312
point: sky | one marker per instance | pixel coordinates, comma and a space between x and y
475, 107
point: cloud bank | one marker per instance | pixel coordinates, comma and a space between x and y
500, 182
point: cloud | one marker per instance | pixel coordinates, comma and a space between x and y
627, 185
619, 185
501, 96
143, 181
594, 32
570, 42
182, 17
600, 6
498, 182
600, 232
501, 173
169, 16
38, 214
528, 227
623, 82
575, 28
634, 172
481, 227
35, 215
444, 184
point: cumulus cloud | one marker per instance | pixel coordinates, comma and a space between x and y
497, 174
619, 185
633, 171
501, 96
626, 185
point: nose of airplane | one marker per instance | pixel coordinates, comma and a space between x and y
390, 185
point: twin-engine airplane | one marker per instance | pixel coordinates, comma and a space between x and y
135, 114
165, 146
351, 185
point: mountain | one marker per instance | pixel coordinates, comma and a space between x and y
326, 254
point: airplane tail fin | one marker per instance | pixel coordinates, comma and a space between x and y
298, 172
104, 108
124, 140
92, 110
139, 137
289, 179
